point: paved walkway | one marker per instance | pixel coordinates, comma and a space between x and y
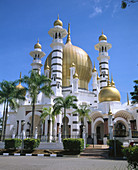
46, 163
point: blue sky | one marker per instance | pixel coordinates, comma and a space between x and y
23, 21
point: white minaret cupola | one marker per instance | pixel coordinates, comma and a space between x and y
103, 58
57, 33
72, 72
37, 54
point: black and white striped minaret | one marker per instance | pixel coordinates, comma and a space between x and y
57, 33
103, 58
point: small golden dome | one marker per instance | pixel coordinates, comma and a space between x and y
94, 69
75, 76
103, 37
98, 78
112, 82
58, 22
72, 65
47, 67
109, 93
19, 86
37, 45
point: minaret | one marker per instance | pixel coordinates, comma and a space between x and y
37, 54
47, 71
103, 58
57, 33
94, 84
72, 72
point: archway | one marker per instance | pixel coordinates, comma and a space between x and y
100, 132
120, 130
66, 127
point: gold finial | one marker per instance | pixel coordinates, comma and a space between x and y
110, 112
20, 75
37, 45
112, 82
58, 16
68, 37
102, 31
38, 40
72, 65
58, 22
108, 82
127, 99
94, 69
98, 78
75, 76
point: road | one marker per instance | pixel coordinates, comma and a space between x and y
48, 163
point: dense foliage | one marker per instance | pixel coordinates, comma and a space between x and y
73, 144
12, 143
131, 153
135, 93
31, 144
115, 144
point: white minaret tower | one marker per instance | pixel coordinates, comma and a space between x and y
103, 58
57, 33
37, 54
95, 84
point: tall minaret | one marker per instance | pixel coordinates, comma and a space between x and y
103, 58
57, 33
37, 54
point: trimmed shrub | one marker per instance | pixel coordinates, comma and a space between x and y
12, 143
72, 145
119, 147
131, 153
31, 144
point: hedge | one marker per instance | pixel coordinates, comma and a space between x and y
31, 144
12, 143
73, 144
119, 147
131, 153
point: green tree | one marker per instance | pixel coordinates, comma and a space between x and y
64, 103
135, 93
9, 96
35, 84
83, 111
47, 112
126, 3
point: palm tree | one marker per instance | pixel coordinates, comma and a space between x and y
35, 84
61, 103
9, 95
47, 112
83, 111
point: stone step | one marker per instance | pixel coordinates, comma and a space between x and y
51, 146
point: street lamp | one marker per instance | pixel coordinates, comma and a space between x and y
23, 135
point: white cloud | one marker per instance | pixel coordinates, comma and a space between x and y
97, 10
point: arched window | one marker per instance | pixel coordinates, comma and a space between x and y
56, 35
102, 49
59, 36
105, 49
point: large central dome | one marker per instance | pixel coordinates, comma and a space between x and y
83, 64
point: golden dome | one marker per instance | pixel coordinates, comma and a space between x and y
19, 86
94, 69
103, 37
82, 62
37, 45
58, 22
75, 76
47, 67
109, 93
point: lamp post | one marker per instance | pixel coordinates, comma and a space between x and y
114, 139
23, 135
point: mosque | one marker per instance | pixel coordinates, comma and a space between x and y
70, 70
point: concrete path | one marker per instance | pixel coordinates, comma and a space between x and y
45, 163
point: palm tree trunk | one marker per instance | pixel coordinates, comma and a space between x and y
65, 123
5, 121
32, 123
